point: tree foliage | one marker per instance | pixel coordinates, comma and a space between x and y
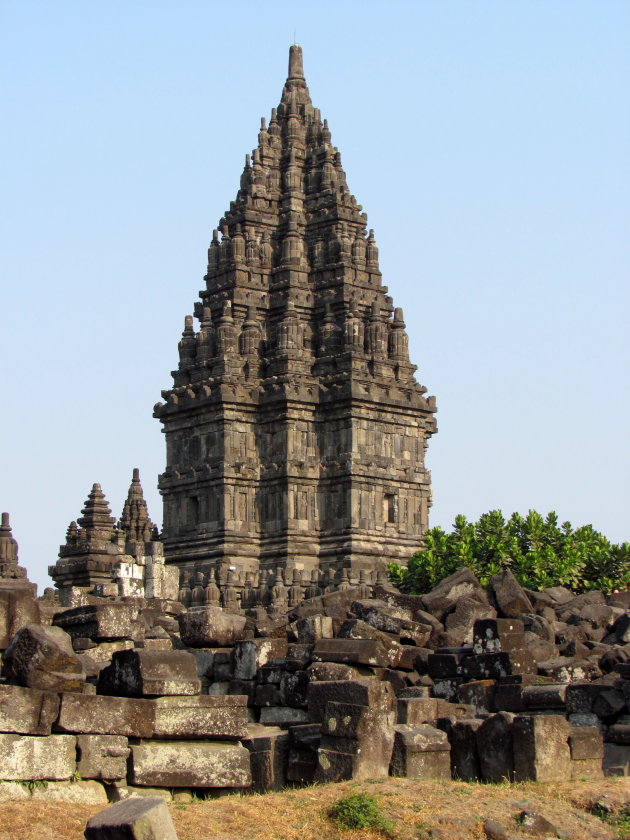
536, 549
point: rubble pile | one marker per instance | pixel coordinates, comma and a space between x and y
128, 695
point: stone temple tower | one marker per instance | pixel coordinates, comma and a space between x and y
295, 430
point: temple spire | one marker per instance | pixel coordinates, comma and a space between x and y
135, 520
296, 65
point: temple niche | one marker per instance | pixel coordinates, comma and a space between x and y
295, 429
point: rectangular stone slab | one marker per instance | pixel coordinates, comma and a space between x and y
85, 713
196, 764
30, 758
27, 711
145, 818
102, 756
359, 651
203, 716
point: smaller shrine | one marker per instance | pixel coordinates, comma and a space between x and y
107, 558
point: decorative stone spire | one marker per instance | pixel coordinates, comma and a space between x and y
97, 521
135, 521
8, 545
302, 390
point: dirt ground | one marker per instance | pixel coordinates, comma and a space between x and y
418, 811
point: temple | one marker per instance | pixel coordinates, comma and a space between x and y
295, 429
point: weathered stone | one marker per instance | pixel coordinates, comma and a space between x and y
464, 755
363, 735
202, 716
101, 715
26, 758
146, 673
509, 595
586, 742
78, 792
294, 689
469, 609
541, 748
132, 819
249, 656
310, 630
421, 751
42, 657
377, 695
352, 651
203, 627
196, 764
27, 711
446, 594
479, 694
109, 621
414, 710
616, 759
269, 749
548, 696
10, 792
282, 716
18, 608
331, 671
356, 629
102, 756
492, 635
494, 745
618, 733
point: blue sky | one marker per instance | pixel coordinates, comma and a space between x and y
487, 141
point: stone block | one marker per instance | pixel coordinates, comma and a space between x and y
586, 768
150, 673
102, 756
356, 629
113, 620
586, 742
493, 666
547, 696
618, 733
313, 628
352, 651
509, 595
269, 750
18, 608
99, 715
616, 759
201, 716
420, 751
282, 716
365, 692
250, 655
27, 711
479, 694
72, 793
493, 635
190, 764
331, 672
132, 819
205, 627
541, 748
294, 689
29, 758
42, 657
464, 755
345, 720
10, 792
446, 594
495, 749
413, 710
368, 753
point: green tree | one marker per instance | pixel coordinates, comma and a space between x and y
536, 549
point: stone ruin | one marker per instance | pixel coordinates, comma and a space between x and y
256, 643
137, 696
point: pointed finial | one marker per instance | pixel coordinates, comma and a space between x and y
296, 68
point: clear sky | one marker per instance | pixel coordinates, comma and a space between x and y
489, 144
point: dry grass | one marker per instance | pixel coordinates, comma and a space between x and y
455, 809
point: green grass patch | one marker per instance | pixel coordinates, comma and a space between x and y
361, 810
